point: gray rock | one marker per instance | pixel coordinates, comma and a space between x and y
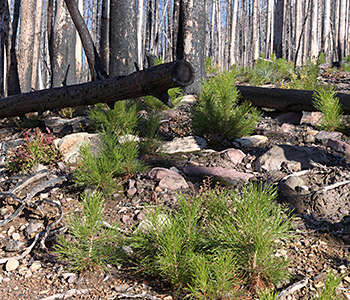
252, 141
186, 144
272, 159
60, 125
230, 174
339, 146
14, 246
32, 228
289, 186
324, 136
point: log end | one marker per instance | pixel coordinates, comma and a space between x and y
183, 73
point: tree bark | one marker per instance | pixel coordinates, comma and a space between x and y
104, 41
122, 38
154, 81
13, 86
63, 47
278, 29
314, 31
26, 44
191, 39
285, 99
95, 65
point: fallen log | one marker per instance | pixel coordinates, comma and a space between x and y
285, 99
154, 81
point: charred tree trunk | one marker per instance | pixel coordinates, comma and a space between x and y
285, 99
154, 81
95, 64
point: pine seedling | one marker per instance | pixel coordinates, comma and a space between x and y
214, 277
148, 127
250, 230
325, 100
117, 120
90, 245
113, 160
329, 292
267, 295
218, 115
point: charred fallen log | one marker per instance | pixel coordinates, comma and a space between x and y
154, 81
285, 99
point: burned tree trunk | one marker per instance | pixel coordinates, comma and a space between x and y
285, 99
154, 81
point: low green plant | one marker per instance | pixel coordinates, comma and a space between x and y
267, 295
38, 148
215, 241
117, 120
67, 112
90, 245
148, 127
306, 78
218, 115
112, 161
210, 68
329, 292
325, 100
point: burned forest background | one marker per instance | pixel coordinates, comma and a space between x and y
41, 47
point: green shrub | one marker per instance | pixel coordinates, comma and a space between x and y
329, 292
306, 77
90, 245
113, 160
148, 127
218, 115
123, 117
210, 68
38, 148
215, 241
325, 100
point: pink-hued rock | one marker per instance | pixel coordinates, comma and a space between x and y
169, 179
234, 155
312, 117
287, 128
217, 171
339, 146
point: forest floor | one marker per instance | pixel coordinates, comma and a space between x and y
316, 247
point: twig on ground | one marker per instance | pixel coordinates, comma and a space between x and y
25, 202
143, 296
68, 294
293, 288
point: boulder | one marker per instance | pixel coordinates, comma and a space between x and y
70, 145
186, 144
278, 154
169, 179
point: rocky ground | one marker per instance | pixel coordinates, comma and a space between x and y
310, 168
